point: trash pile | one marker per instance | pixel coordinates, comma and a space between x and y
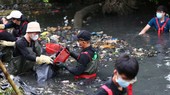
108, 47
6, 88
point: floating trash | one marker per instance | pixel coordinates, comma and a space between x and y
167, 77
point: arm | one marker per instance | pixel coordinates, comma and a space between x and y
83, 61
74, 55
9, 25
146, 28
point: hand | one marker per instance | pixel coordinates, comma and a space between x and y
6, 43
68, 48
44, 59
2, 26
141, 33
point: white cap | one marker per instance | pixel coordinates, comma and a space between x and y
33, 27
14, 14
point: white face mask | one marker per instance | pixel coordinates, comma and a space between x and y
122, 83
34, 37
159, 15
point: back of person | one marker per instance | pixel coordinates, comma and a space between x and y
92, 65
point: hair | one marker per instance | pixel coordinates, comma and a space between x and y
162, 8
127, 65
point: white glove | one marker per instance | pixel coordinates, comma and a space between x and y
6, 43
43, 59
2, 26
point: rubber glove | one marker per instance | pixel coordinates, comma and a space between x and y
2, 26
6, 43
43, 59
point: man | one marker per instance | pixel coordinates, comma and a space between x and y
161, 22
19, 23
126, 69
27, 50
86, 66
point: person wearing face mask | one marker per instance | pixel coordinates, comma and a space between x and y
124, 75
27, 51
86, 67
161, 22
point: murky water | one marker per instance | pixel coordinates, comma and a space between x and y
154, 73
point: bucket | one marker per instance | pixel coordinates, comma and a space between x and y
52, 48
62, 56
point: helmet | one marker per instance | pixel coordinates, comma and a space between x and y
33, 27
15, 14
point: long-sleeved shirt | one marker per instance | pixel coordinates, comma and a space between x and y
22, 49
83, 60
19, 30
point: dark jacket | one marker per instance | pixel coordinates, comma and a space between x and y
21, 49
110, 84
83, 61
19, 30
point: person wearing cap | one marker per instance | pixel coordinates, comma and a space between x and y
124, 75
161, 22
86, 65
27, 52
19, 23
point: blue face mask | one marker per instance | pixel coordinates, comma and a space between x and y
159, 15
122, 83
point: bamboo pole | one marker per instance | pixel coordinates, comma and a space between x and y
7, 75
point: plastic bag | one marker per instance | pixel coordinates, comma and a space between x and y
44, 72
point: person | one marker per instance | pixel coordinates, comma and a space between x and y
86, 65
19, 23
161, 22
7, 41
27, 51
125, 71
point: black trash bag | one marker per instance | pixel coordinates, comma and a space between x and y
44, 72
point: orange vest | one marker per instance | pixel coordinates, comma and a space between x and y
161, 29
